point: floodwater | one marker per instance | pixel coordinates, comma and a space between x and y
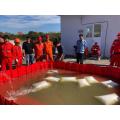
59, 93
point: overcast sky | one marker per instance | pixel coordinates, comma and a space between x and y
25, 23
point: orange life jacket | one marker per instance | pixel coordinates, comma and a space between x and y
17, 52
48, 46
39, 49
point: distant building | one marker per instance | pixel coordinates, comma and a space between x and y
96, 28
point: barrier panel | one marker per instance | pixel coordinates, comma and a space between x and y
4, 101
106, 71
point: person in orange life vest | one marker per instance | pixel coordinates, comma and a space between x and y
7, 53
48, 48
39, 49
96, 50
17, 52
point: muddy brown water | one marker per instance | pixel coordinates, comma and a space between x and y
61, 93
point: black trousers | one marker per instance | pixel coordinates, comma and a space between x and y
80, 57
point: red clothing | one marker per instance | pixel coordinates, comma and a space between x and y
115, 46
112, 60
86, 52
7, 50
115, 53
112, 50
17, 54
0, 54
115, 41
118, 60
7, 55
39, 50
5, 62
95, 50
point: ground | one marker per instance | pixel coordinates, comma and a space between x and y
91, 61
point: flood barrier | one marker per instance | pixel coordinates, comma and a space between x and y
9, 75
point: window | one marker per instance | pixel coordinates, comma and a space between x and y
97, 30
88, 31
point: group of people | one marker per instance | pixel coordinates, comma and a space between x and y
39, 51
30, 51
82, 50
115, 52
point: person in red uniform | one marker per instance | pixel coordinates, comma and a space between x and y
39, 49
48, 49
115, 52
1, 43
95, 50
112, 52
6, 53
17, 52
115, 42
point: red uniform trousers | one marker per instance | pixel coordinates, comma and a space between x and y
7, 55
6, 62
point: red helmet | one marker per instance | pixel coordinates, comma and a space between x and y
39, 38
17, 40
47, 36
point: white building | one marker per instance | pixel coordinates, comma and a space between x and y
102, 29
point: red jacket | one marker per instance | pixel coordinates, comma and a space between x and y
17, 52
115, 48
0, 53
7, 50
95, 48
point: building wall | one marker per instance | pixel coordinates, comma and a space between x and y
71, 24
69, 32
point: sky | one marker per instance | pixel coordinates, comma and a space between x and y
26, 23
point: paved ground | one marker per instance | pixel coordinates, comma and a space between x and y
91, 61
87, 61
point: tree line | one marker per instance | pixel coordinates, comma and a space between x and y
54, 36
